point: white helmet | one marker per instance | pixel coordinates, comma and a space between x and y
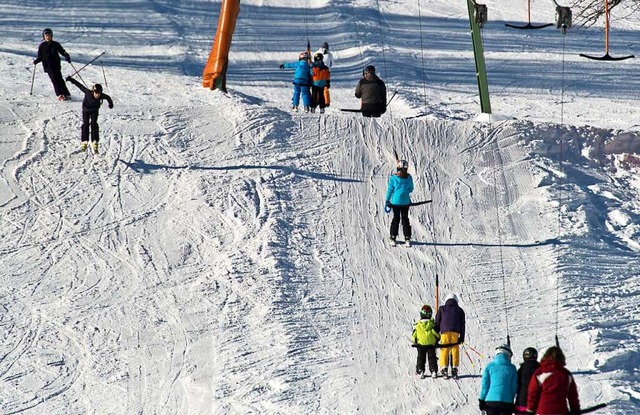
402, 164
452, 296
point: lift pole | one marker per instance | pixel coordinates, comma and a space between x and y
477, 18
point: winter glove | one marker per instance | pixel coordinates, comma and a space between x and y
35, 61
282, 66
68, 58
388, 204
482, 404
328, 84
68, 79
110, 106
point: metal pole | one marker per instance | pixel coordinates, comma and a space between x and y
33, 77
478, 53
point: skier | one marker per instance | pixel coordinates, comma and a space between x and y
90, 108
424, 334
499, 383
301, 81
450, 322
528, 366
49, 53
328, 56
321, 80
372, 92
397, 198
552, 385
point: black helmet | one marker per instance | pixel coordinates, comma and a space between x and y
325, 45
530, 353
47, 31
318, 57
97, 88
370, 69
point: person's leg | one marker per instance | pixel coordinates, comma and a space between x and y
306, 96
422, 358
433, 362
95, 129
395, 222
85, 127
295, 101
406, 226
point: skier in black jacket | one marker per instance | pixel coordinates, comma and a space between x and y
530, 364
90, 108
373, 93
49, 53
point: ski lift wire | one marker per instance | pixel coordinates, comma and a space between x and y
424, 73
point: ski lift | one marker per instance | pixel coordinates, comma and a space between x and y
563, 18
481, 14
529, 25
606, 56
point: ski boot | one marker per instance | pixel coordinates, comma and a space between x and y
94, 146
445, 373
407, 243
321, 110
84, 145
306, 109
454, 372
392, 240
294, 108
434, 374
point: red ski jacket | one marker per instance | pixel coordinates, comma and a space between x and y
550, 387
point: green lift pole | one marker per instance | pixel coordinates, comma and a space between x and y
477, 17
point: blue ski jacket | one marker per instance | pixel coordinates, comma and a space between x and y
399, 189
499, 380
302, 75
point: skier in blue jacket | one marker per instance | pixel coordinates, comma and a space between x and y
397, 198
499, 384
301, 81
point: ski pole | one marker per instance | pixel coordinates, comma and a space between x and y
392, 97
106, 86
88, 63
465, 352
474, 350
33, 77
74, 68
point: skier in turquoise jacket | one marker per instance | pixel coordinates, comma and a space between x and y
397, 198
499, 384
301, 81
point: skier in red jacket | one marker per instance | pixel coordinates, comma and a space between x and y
551, 386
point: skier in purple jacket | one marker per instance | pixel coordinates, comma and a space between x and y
450, 321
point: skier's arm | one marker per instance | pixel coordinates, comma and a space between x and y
462, 325
63, 53
38, 59
109, 100
574, 402
78, 84
359, 90
290, 65
389, 190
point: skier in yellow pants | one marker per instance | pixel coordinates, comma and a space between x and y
450, 321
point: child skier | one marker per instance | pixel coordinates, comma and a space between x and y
499, 384
49, 53
424, 334
398, 191
90, 108
301, 81
320, 77
528, 366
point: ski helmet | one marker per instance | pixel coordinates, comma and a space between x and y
426, 311
318, 57
325, 45
97, 88
370, 69
303, 56
402, 165
530, 353
453, 297
47, 31
504, 349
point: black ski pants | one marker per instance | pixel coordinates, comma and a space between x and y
398, 213
90, 119
317, 96
58, 83
498, 408
423, 355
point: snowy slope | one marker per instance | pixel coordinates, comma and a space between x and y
225, 256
